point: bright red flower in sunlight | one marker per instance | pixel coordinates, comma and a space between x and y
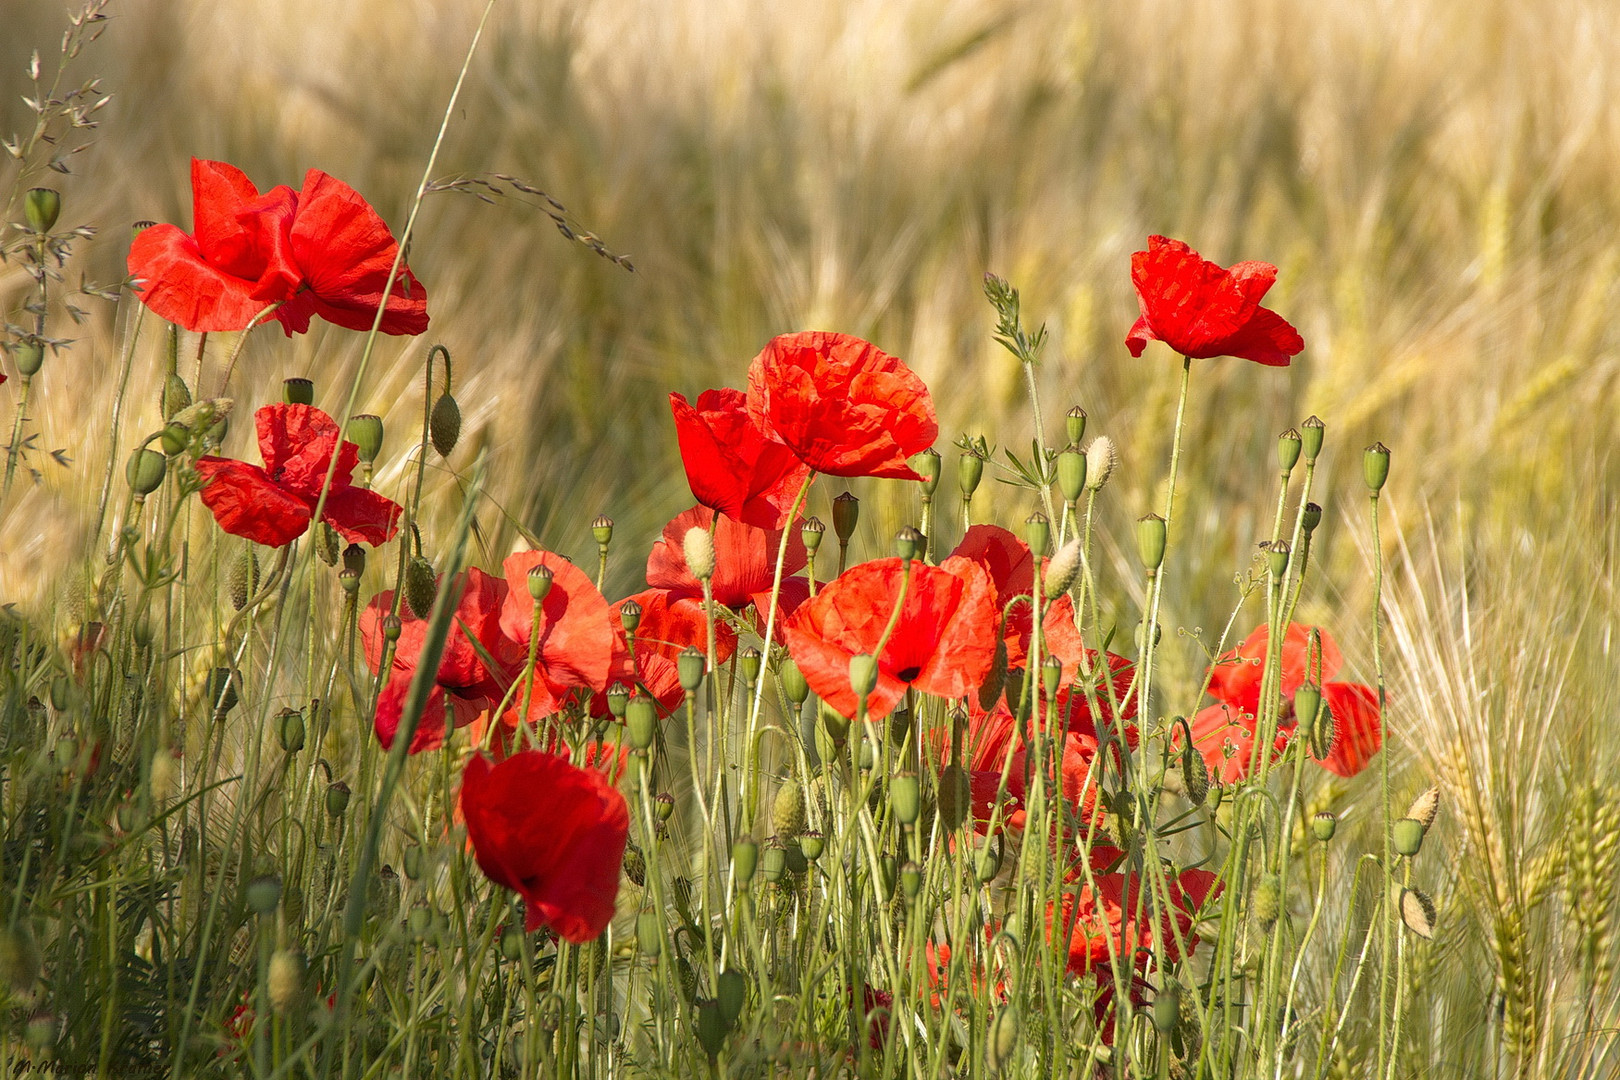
1011, 565
464, 686
274, 505
670, 622
551, 832
731, 465
320, 251
1115, 920
943, 644
578, 632
744, 563
1225, 733
844, 407
1201, 310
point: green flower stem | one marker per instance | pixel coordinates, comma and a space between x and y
1388, 916
240, 344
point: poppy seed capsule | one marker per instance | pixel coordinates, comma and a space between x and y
812, 844
812, 531
1071, 472
220, 691
846, 511
366, 432
1074, 425
1004, 1031
748, 663
630, 616
444, 424
698, 547
787, 810
618, 700
911, 879
242, 578
411, 862
863, 674
512, 942
1051, 676
263, 894
602, 530
731, 991
773, 862
175, 438
649, 935
1037, 533
285, 980
793, 683
1407, 834
987, 863
337, 798
1307, 703
1277, 558
40, 207
641, 721
540, 577
392, 627
926, 464
1167, 1007
907, 542
689, 667
1150, 536
969, 471
1311, 518
905, 797
1310, 434
1268, 899
296, 391
1324, 825
664, 805
1102, 456
290, 730
354, 558
145, 471
1375, 466
1288, 446
421, 589
955, 796
29, 355
349, 580
744, 859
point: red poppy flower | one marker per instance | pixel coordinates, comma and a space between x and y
670, 623
1115, 920
842, 405
1201, 310
577, 631
1225, 732
274, 505
1011, 565
943, 644
731, 465
551, 832
464, 686
744, 563
321, 251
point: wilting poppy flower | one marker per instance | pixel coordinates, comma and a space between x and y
320, 251
1225, 732
1201, 310
842, 405
553, 833
274, 505
577, 631
1115, 920
464, 686
744, 563
731, 465
943, 644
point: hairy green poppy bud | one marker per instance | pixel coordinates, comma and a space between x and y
748, 664
773, 862
337, 798
846, 511
221, 690
1037, 533
1074, 425
1014, 692
955, 796
176, 396
689, 665
1417, 912
421, 587
731, 991
712, 1029
444, 424
290, 730
1288, 447
787, 810
263, 894
1102, 457
630, 616
40, 207
834, 725
812, 844
1310, 434
285, 980
996, 681
905, 797
1324, 825
1375, 466
366, 432
1268, 899
987, 863
419, 922
145, 471
926, 464
297, 391
899, 725
512, 942
793, 684
698, 547
744, 858
1167, 1007
1277, 558
412, 862
911, 878
1194, 773
1407, 834
1071, 472
242, 577
812, 531
863, 674
1150, 536
29, 354
1003, 1043
1063, 569
1311, 518
328, 545
969, 471
1307, 703
649, 935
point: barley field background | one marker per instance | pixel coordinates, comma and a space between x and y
1437, 180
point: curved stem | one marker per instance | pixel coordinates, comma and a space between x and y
241, 342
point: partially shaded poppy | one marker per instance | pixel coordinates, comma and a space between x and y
274, 505
577, 631
744, 563
844, 406
551, 832
731, 465
1011, 566
1202, 310
943, 643
322, 251
670, 622
1115, 919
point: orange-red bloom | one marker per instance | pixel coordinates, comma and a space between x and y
553, 833
842, 405
320, 251
744, 563
1201, 310
731, 465
578, 632
670, 622
1114, 919
274, 505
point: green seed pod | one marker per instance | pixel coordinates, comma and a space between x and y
635, 865
1277, 558
413, 862
863, 674
540, 577
1310, 433
630, 616
1167, 1007
689, 665
220, 691
698, 548
866, 755
1307, 703
955, 796
793, 684
664, 805
649, 934
812, 532
641, 721
1074, 425
1150, 535
926, 464
773, 862
1407, 834
1375, 466
392, 627
175, 438
444, 424
354, 558
888, 877
911, 879
263, 894
1071, 471
602, 530
421, 587
711, 1029
145, 471
290, 730
419, 922
987, 862
787, 810
1051, 676
1324, 825
1037, 533
812, 844
618, 700
1288, 446
29, 354
366, 432
1311, 518
996, 681
969, 471
298, 391
349, 581
328, 545
731, 991
907, 542
905, 797
337, 799
40, 207
176, 396
285, 980
846, 511
1267, 904
1003, 1042
512, 943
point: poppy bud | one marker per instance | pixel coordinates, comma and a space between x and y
421, 588
1417, 912
689, 667
698, 547
145, 471
911, 879
1375, 466
366, 432
1071, 471
297, 391
649, 935
867, 756
926, 464
285, 980
987, 863
1102, 456
1167, 1007
1037, 533
888, 876
731, 991
1311, 518
905, 797
846, 511
1003, 1042
1063, 568
162, 775
1407, 834
263, 894
773, 862
215, 435
812, 531
512, 942
242, 578
787, 810
29, 353
1425, 808
1324, 825
969, 471
664, 805
1194, 773
711, 1029
444, 424
1288, 446
176, 396
1051, 676
1268, 899
1277, 558
175, 438
863, 674
748, 662
221, 691
1014, 690
907, 542
411, 862
744, 858
328, 545
290, 730
641, 720
835, 726
1074, 425
337, 798
955, 797
1321, 733
41, 206
812, 844
1310, 433
630, 616
419, 922
1150, 533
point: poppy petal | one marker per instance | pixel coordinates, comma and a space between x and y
362, 516
1357, 731
246, 503
346, 253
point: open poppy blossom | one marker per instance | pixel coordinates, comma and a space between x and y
843, 406
1225, 732
274, 505
320, 251
577, 631
744, 563
731, 465
1202, 310
551, 832
1114, 919
670, 623
1011, 566
943, 644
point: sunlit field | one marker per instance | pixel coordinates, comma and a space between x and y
628, 201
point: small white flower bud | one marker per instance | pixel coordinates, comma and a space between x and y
698, 546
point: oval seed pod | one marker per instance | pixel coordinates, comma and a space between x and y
1310, 434
744, 859
1003, 1042
421, 587
40, 208
905, 797
29, 356
366, 432
1150, 538
955, 797
1102, 456
812, 531
793, 683
145, 471
969, 471
1071, 470
298, 391
285, 979
788, 810
1288, 447
926, 464
1407, 834
1074, 425
641, 721
1267, 904
698, 547
1325, 825
846, 511
1375, 467
444, 424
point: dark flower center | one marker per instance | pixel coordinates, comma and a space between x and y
908, 674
